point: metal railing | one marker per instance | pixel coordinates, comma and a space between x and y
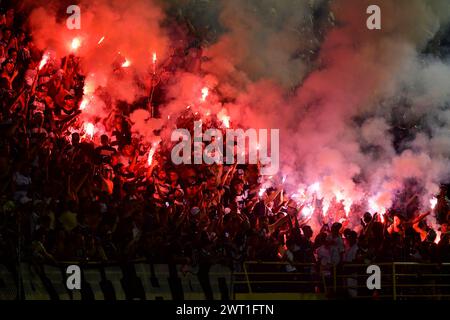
399, 280
261, 280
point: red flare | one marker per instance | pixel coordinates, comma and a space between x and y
89, 128
44, 60
151, 153
205, 93
126, 64
76, 43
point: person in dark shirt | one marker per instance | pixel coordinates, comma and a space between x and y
105, 151
67, 109
38, 103
121, 135
8, 74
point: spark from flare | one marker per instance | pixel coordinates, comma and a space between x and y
101, 40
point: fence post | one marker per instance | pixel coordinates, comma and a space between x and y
247, 278
394, 282
334, 279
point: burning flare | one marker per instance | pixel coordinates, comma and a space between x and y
433, 203
226, 121
375, 207
222, 115
261, 192
44, 60
76, 43
126, 64
315, 187
89, 128
154, 62
151, 153
308, 210
205, 93
84, 103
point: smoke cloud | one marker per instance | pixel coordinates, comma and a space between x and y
361, 112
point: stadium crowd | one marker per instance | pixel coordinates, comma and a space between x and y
64, 198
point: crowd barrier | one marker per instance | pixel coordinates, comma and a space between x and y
399, 280
137, 281
258, 280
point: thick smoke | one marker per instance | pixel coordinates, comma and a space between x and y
131, 32
361, 112
341, 126
267, 39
